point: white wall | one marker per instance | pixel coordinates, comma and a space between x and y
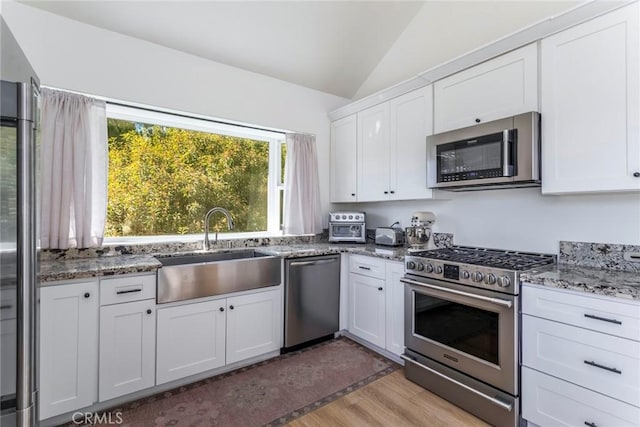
519, 219
443, 30
70, 55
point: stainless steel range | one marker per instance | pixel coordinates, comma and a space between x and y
462, 328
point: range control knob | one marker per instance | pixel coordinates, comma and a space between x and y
429, 268
420, 266
439, 269
477, 276
504, 282
465, 274
490, 279
411, 265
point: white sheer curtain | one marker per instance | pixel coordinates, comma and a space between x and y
73, 164
301, 186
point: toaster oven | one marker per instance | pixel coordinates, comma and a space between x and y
347, 227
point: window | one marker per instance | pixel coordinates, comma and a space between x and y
166, 171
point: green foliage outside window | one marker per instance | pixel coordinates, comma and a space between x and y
163, 180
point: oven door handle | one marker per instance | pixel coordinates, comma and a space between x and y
506, 406
497, 301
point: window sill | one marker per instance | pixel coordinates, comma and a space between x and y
186, 238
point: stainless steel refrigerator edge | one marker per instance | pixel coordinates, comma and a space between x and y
19, 111
312, 299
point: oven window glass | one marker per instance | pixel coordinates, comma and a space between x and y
347, 230
471, 158
468, 329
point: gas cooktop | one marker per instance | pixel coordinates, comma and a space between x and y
492, 269
509, 260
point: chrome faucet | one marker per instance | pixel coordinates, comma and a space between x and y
206, 224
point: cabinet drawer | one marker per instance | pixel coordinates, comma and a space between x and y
548, 401
599, 362
613, 317
367, 266
127, 288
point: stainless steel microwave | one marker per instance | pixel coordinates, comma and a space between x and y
502, 153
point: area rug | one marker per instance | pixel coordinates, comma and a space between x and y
268, 393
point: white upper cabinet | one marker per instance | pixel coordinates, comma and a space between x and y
411, 123
392, 148
590, 116
373, 153
498, 88
343, 159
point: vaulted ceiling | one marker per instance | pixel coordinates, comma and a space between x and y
331, 46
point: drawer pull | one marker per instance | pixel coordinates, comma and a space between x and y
590, 424
129, 291
5, 307
364, 268
606, 368
604, 319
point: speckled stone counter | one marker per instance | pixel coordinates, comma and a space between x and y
53, 270
316, 249
619, 284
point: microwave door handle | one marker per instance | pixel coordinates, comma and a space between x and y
506, 154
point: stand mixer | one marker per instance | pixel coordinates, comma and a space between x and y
419, 233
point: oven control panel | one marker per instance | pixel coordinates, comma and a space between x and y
466, 274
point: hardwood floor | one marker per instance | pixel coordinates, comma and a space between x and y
390, 401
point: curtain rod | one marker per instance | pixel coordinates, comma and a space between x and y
170, 111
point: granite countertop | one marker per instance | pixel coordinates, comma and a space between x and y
79, 268
316, 249
68, 269
619, 284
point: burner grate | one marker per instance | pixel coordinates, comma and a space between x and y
508, 260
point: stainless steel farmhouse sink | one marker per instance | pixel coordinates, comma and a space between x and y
202, 275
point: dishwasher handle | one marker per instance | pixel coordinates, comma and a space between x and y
318, 262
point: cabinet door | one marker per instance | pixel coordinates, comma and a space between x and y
366, 303
254, 325
68, 347
394, 307
498, 88
343, 159
411, 122
191, 339
127, 348
590, 94
373, 153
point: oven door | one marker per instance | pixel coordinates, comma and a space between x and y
472, 330
346, 232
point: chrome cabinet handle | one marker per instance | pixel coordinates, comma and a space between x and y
604, 319
505, 406
606, 368
129, 291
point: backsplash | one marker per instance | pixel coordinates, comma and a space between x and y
599, 255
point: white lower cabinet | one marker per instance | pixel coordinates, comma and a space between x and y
394, 308
552, 402
581, 359
366, 308
254, 325
198, 337
191, 339
376, 302
127, 348
68, 347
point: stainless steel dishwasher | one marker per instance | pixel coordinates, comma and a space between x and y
312, 299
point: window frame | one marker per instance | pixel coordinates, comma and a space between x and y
275, 140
